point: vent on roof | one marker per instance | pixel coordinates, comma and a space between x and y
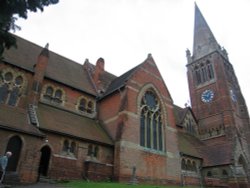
32, 115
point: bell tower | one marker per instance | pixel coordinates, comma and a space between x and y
216, 97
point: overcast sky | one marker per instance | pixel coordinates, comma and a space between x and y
123, 32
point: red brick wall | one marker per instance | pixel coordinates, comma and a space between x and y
29, 157
120, 115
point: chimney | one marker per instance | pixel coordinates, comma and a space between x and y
99, 69
39, 72
42, 63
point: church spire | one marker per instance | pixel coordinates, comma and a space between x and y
204, 40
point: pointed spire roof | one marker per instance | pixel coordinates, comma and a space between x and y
204, 40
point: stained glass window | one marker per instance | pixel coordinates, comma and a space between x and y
151, 122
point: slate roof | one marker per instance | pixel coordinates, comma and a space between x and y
120, 81
212, 155
105, 77
219, 154
179, 114
68, 123
189, 144
59, 68
20, 123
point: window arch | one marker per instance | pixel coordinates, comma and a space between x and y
85, 105
53, 94
151, 122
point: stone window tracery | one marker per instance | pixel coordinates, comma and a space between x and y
151, 122
53, 94
69, 147
188, 165
85, 105
12, 85
93, 150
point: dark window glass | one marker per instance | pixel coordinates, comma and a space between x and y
90, 107
82, 105
96, 151
209, 173
160, 138
224, 172
142, 129
73, 147
194, 166
14, 94
150, 100
155, 133
189, 165
66, 145
49, 91
8, 76
148, 131
183, 165
3, 93
151, 128
19, 80
90, 150
58, 94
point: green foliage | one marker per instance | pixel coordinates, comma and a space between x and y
81, 184
10, 11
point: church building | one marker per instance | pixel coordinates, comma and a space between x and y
63, 120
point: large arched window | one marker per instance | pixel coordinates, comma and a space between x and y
151, 133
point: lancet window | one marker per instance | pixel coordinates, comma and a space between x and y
151, 128
204, 72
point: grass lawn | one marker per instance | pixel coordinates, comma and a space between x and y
84, 184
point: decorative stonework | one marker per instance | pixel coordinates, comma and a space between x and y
12, 86
85, 105
53, 94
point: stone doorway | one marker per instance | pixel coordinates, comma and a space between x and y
15, 146
44, 161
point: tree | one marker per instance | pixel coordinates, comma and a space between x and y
10, 10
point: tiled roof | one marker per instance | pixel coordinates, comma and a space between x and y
119, 82
105, 77
19, 123
212, 155
71, 124
189, 144
179, 114
59, 68
219, 154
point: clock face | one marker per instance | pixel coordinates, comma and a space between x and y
233, 96
207, 95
